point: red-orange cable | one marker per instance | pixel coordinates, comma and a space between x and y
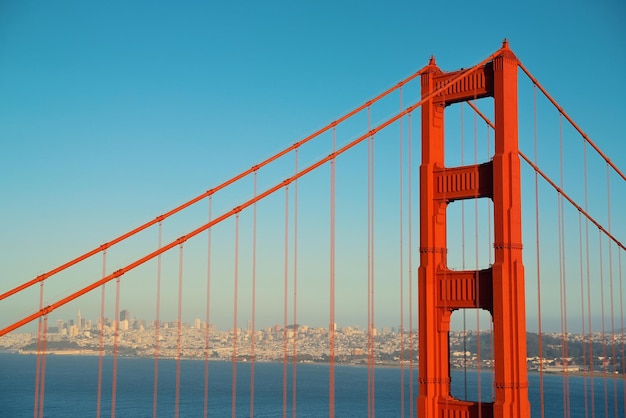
582, 304
476, 261
210, 192
621, 308
603, 333
331, 326
38, 361
207, 328
37, 369
369, 274
179, 330
571, 121
563, 278
369, 325
373, 258
295, 292
42, 374
613, 352
538, 257
489, 213
157, 326
101, 351
410, 254
462, 138
590, 335
228, 214
401, 261
252, 337
584, 212
235, 334
561, 191
115, 348
285, 298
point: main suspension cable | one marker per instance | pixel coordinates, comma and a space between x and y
248, 203
221, 186
570, 120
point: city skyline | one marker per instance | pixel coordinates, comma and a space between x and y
390, 346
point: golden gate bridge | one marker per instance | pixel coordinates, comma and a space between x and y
328, 229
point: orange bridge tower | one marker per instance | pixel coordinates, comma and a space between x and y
498, 289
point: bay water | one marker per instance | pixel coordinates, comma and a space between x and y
71, 384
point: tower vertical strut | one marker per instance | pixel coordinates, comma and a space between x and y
498, 289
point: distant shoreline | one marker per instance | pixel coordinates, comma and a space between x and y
551, 371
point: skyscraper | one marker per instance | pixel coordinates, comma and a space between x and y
125, 315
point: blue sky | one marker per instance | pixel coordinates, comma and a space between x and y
113, 114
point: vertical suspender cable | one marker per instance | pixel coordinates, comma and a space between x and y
295, 291
38, 361
613, 352
235, 333
331, 324
42, 374
41, 356
410, 247
285, 289
369, 271
371, 329
538, 255
604, 380
621, 309
157, 326
445, 275
490, 239
476, 275
115, 346
582, 310
373, 259
101, 326
207, 327
588, 274
463, 259
563, 278
400, 215
179, 335
252, 337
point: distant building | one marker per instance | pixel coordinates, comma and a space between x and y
125, 315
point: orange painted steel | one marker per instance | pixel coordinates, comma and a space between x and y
501, 289
120, 272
